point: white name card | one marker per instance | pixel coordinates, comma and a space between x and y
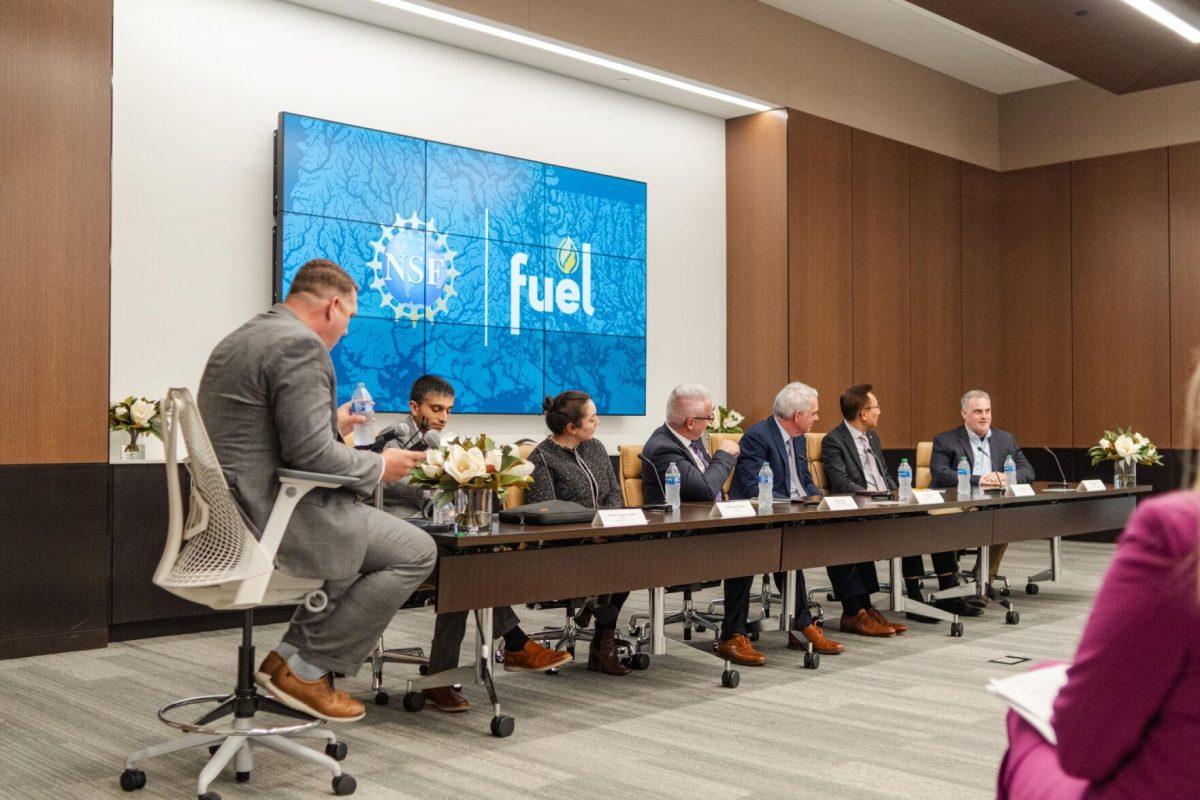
736, 508
618, 517
927, 497
1021, 490
838, 502
1093, 485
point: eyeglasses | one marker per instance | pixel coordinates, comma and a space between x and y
709, 418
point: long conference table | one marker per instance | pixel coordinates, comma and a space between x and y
516, 564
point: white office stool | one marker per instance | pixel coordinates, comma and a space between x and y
215, 560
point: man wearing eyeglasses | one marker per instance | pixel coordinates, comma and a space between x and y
985, 449
678, 442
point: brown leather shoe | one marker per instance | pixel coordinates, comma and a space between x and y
535, 658
862, 624
602, 654
316, 698
738, 649
814, 635
878, 616
444, 698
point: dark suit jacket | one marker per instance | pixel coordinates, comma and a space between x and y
951, 446
664, 447
763, 442
843, 468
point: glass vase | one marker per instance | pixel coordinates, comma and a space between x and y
1124, 474
132, 451
473, 510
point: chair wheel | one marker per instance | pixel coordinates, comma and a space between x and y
423, 669
1012, 617
242, 777
503, 727
830, 597
132, 780
639, 661
1031, 588
753, 636
553, 671
812, 660
414, 701
1005, 592
209, 796
336, 750
382, 698
730, 678
344, 784
956, 629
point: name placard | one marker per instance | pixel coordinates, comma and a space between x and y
728, 509
1093, 485
927, 497
838, 502
1020, 490
618, 517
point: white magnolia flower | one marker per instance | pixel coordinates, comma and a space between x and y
142, 412
733, 418
1106, 444
463, 465
121, 411
522, 470
1125, 446
435, 461
493, 460
1140, 440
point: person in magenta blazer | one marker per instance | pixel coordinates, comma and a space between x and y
1128, 719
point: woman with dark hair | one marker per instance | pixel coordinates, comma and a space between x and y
570, 464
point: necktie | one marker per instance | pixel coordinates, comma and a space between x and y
869, 468
795, 486
704, 460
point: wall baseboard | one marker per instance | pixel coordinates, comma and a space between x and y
26, 646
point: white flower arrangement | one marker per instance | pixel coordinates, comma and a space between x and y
1124, 444
136, 416
479, 463
725, 420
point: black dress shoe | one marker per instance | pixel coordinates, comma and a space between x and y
956, 605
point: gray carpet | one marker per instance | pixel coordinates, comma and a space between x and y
894, 718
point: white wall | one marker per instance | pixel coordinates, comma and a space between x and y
197, 85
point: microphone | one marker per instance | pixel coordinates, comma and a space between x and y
388, 434
1063, 485
658, 478
432, 439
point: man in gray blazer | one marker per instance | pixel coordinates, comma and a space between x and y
269, 400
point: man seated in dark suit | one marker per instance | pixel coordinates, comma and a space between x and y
678, 442
853, 459
268, 399
985, 449
779, 441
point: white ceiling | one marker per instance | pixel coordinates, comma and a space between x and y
932, 41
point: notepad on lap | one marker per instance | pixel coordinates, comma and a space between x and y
1031, 694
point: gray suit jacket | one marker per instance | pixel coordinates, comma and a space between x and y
269, 399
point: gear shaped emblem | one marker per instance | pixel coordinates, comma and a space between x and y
414, 269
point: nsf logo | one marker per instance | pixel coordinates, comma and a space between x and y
564, 294
414, 269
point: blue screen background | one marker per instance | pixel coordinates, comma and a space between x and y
431, 233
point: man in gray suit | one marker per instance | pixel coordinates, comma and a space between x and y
269, 400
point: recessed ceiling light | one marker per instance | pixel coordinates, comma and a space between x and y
1163, 17
499, 32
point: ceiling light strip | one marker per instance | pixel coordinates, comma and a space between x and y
1163, 17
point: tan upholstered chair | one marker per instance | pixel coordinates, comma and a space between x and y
922, 477
715, 439
631, 474
815, 465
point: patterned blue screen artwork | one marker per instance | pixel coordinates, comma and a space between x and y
511, 278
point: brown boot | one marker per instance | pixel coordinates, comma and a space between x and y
815, 636
444, 698
602, 654
862, 624
738, 649
316, 698
878, 616
534, 658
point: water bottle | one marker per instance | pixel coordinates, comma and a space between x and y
964, 477
1010, 472
361, 403
904, 478
766, 489
672, 486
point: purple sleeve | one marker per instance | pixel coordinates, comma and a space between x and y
1131, 636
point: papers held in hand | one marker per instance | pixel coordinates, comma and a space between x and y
1031, 694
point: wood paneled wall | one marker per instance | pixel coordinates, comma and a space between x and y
55, 70
1070, 292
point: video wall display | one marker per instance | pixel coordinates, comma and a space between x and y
513, 279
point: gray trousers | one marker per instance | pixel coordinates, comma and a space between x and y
448, 632
339, 638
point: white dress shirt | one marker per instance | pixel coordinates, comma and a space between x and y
981, 453
866, 457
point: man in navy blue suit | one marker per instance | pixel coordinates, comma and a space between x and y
779, 441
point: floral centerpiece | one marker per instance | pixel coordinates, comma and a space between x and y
725, 420
1127, 449
472, 471
136, 416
